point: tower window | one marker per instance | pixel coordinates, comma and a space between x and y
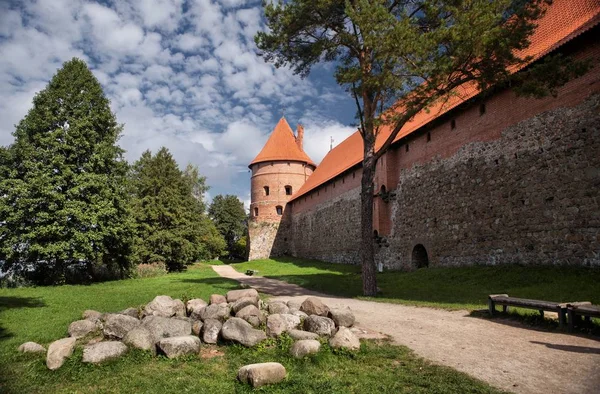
266, 190
481, 109
406, 147
428, 136
452, 124
288, 190
279, 209
255, 211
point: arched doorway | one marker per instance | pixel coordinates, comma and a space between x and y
419, 256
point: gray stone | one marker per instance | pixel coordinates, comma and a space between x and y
299, 313
92, 315
179, 346
278, 307
239, 330
140, 338
103, 351
117, 326
314, 306
244, 302
304, 347
197, 327
211, 331
261, 374
59, 351
299, 335
216, 312
81, 328
252, 315
164, 327
133, 312
278, 324
294, 304
31, 347
342, 317
195, 306
234, 295
217, 299
344, 338
164, 306
319, 325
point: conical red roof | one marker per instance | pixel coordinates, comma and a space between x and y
282, 146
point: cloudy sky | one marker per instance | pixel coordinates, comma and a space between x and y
179, 73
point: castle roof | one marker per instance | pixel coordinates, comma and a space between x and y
282, 146
563, 21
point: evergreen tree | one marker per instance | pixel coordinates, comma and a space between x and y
397, 58
63, 206
229, 216
170, 224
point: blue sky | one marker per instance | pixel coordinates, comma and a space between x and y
179, 73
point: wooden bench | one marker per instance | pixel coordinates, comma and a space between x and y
541, 306
579, 309
251, 272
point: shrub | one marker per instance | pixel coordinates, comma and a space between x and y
150, 270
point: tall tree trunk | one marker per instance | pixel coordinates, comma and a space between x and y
369, 277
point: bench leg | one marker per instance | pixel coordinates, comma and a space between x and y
541, 313
570, 319
491, 306
588, 320
562, 315
504, 308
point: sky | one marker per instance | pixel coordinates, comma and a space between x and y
184, 74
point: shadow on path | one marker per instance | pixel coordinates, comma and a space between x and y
569, 348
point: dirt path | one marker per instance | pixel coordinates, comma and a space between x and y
503, 353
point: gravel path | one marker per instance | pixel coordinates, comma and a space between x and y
501, 352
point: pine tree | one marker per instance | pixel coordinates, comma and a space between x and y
170, 224
63, 206
229, 216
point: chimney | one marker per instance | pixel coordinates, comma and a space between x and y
300, 136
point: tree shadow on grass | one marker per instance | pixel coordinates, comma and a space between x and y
7, 302
223, 284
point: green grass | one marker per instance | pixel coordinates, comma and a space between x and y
42, 315
448, 288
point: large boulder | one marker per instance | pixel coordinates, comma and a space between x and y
234, 295
195, 306
344, 338
164, 327
140, 338
103, 351
211, 330
252, 315
217, 299
294, 304
299, 335
117, 326
92, 315
164, 306
197, 327
59, 351
319, 325
216, 312
179, 346
244, 302
278, 307
81, 328
261, 374
299, 313
342, 317
304, 347
31, 347
314, 306
239, 330
278, 324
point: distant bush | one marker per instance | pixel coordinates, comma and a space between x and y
150, 270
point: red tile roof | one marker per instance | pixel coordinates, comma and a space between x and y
282, 146
563, 21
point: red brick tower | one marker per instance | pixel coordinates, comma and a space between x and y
278, 171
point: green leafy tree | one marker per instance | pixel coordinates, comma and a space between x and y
197, 184
399, 57
170, 224
63, 196
229, 216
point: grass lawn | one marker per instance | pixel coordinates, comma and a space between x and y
42, 315
449, 288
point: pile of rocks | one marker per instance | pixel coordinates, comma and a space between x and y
169, 326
